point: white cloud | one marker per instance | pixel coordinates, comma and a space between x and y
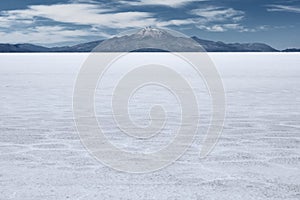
47, 35
233, 26
283, 8
94, 15
175, 22
169, 3
21, 25
213, 28
212, 13
220, 27
219, 19
73, 13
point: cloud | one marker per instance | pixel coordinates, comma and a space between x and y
95, 15
221, 27
31, 25
234, 27
81, 19
73, 13
212, 14
72, 22
169, 3
283, 8
219, 19
176, 22
43, 34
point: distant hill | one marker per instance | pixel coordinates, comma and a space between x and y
83, 47
291, 50
22, 48
212, 46
156, 40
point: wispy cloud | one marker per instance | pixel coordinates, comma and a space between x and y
43, 34
220, 19
213, 13
79, 19
169, 3
73, 21
176, 22
95, 15
73, 13
221, 27
228, 27
283, 8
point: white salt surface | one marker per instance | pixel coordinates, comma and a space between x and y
257, 156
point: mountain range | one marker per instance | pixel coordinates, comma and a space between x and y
145, 40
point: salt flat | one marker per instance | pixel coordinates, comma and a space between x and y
257, 156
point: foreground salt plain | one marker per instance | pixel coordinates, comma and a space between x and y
257, 156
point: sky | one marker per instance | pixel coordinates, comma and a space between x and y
67, 22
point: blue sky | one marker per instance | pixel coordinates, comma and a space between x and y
53, 22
